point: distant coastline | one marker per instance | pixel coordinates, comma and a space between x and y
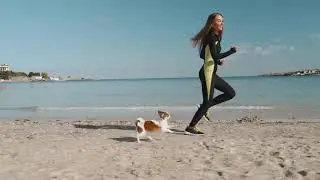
8, 75
11, 76
44, 77
27, 79
302, 72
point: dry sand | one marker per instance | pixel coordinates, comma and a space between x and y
104, 149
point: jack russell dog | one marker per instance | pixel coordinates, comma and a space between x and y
151, 126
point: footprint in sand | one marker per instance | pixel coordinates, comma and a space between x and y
275, 153
283, 164
259, 163
220, 173
288, 173
303, 173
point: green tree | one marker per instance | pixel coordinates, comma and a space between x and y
30, 74
4, 75
37, 74
34, 74
44, 75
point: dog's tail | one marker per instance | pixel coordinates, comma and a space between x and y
163, 114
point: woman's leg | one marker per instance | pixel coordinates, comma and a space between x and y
203, 86
219, 84
223, 86
205, 104
204, 92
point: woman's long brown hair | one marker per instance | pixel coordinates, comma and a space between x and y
198, 39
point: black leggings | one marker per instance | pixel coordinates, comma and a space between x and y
217, 83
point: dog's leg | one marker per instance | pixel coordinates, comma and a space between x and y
165, 126
169, 131
166, 130
138, 138
140, 135
149, 137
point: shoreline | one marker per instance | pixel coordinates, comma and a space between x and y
183, 113
244, 120
107, 149
287, 74
29, 80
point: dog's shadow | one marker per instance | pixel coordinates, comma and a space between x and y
176, 131
120, 127
129, 139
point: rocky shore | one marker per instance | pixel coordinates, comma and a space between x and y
304, 72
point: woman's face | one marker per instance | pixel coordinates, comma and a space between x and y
217, 23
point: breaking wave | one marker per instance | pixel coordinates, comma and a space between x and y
127, 108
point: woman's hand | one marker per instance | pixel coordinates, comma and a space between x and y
234, 48
222, 61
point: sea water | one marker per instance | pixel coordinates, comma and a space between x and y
282, 97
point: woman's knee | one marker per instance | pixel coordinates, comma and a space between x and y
231, 93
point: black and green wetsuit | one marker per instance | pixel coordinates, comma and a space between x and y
210, 53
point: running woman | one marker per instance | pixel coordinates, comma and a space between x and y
208, 41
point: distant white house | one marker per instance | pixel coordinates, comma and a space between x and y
54, 78
36, 78
4, 67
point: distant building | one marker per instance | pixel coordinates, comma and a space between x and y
4, 67
36, 78
54, 78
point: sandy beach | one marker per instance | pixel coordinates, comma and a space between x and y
107, 149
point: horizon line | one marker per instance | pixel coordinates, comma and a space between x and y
181, 77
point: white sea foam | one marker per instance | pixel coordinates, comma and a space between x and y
128, 108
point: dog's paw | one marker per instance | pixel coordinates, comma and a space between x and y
150, 138
168, 131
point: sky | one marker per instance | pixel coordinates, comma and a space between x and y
151, 38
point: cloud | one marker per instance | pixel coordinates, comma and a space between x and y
314, 36
276, 40
272, 49
244, 48
264, 50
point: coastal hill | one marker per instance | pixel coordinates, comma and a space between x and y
11, 76
303, 72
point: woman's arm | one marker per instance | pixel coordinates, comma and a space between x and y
217, 56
